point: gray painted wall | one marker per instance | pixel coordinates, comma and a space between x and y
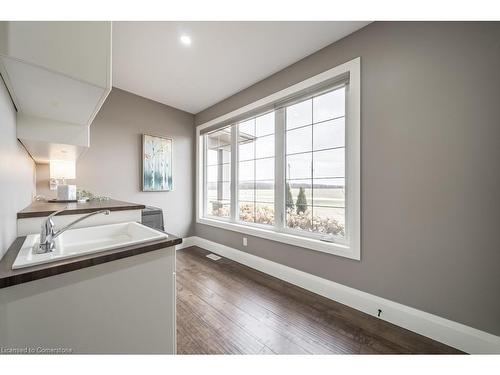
112, 164
430, 178
17, 172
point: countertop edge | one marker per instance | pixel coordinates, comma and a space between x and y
9, 277
112, 205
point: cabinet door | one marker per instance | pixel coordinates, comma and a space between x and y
125, 306
80, 50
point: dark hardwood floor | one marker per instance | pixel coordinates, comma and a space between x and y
224, 307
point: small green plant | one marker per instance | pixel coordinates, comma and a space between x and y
301, 201
289, 198
84, 194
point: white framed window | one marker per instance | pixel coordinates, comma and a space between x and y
287, 167
255, 169
217, 172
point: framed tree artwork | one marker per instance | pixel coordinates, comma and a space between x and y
156, 163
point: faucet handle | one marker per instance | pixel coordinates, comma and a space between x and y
48, 225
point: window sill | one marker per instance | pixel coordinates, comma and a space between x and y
290, 239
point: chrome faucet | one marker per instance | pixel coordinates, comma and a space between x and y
48, 234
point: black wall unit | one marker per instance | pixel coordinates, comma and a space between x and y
153, 217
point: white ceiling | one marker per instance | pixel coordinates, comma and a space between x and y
224, 57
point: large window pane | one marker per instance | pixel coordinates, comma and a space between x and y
264, 191
212, 190
246, 129
226, 172
329, 105
219, 140
329, 134
219, 208
314, 149
212, 173
329, 221
221, 172
299, 166
246, 150
299, 140
329, 192
246, 171
246, 191
256, 170
264, 147
329, 163
219, 190
264, 125
226, 155
264, 213
226, 191
299, 114
302, 221
264, 169
298, 199
218, 172
212, 157
247, 211
301, 193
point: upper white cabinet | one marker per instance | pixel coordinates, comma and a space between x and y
58, 74
81, 50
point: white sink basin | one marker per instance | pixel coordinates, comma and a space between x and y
77, 242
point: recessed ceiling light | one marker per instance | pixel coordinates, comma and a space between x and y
186, 40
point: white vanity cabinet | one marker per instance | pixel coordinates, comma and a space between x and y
120, 300
125, 306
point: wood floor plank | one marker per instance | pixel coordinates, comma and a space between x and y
343, 319
261, 302
211, 325
272, 337
225, 307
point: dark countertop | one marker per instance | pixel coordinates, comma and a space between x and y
9, 277
41, 209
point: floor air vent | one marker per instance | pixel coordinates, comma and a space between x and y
213, 256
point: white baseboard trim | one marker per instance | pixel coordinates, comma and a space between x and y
455, 334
